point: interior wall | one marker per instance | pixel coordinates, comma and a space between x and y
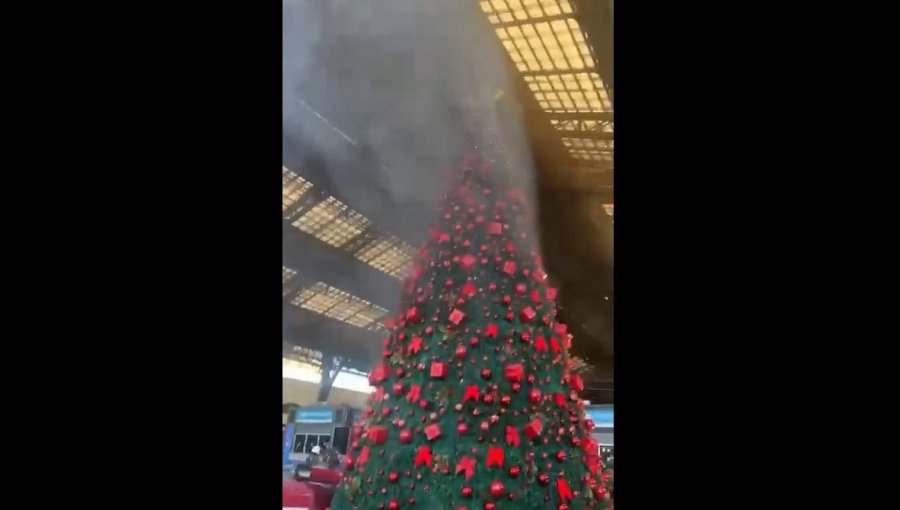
305, 393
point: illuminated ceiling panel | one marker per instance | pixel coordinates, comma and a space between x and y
387, 254
293, 187
546, 44
586, 126
338, 304
332, 221
570, 92
286, 274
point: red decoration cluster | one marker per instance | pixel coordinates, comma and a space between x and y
477, 303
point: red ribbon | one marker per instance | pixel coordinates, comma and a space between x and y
413, 394
512, 436
423, 456
561, 400
415, 346
467, 466
540, 344
563, 489
472, 393
495, 456
554, 345
363, 456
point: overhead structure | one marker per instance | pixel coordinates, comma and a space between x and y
548, 46
333, 222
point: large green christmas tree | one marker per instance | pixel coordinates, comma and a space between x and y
474, 406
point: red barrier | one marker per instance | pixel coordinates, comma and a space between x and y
305, 496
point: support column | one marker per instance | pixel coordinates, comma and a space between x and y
331, 367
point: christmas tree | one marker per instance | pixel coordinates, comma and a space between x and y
475, 406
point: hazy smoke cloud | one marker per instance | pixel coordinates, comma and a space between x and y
409, 82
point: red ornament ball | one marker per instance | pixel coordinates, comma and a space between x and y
466, 491
516, 387
534, 395
562, 506
486, 373
561, 455
488, 398
405, 436
490, 506
514, 471
497, 489
505, 400
461, 351
543, 478
393, 476
393, 504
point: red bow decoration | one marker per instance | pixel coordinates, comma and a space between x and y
378, 374
413, 394
561, 400
565, 494
540, 344
363, 456
471, 393
593, 464
512, 436
495, 456
465, 465
423, 456
554, 345
415, 345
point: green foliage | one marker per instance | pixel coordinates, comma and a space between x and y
467, 225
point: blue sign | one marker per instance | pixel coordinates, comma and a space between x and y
314, 416
602, 416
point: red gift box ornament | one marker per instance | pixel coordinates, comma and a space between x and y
491, 331
377, 434
495, 229
509, 267
378, 374
527, 314
438, 369
467, 262
433, 431
534, 428
514, 372
456, 316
